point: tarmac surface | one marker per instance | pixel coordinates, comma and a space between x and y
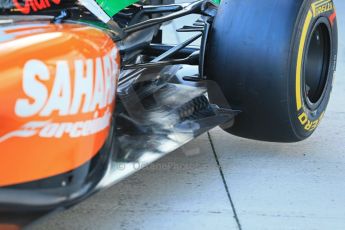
219, 181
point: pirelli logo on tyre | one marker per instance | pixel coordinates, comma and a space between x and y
321, 6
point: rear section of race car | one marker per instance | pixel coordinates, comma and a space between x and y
63, 135
267, 68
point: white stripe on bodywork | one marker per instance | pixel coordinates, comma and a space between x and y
96, 10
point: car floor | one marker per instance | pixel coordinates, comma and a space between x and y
219, 181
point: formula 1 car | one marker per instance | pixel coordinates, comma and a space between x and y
90, 93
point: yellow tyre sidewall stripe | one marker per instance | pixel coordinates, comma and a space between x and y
302, 115
300, 60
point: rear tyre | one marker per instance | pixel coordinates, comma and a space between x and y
274, 60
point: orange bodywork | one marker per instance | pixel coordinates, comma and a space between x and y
57, 95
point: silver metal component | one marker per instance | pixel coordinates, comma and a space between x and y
127, 76
194, 7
